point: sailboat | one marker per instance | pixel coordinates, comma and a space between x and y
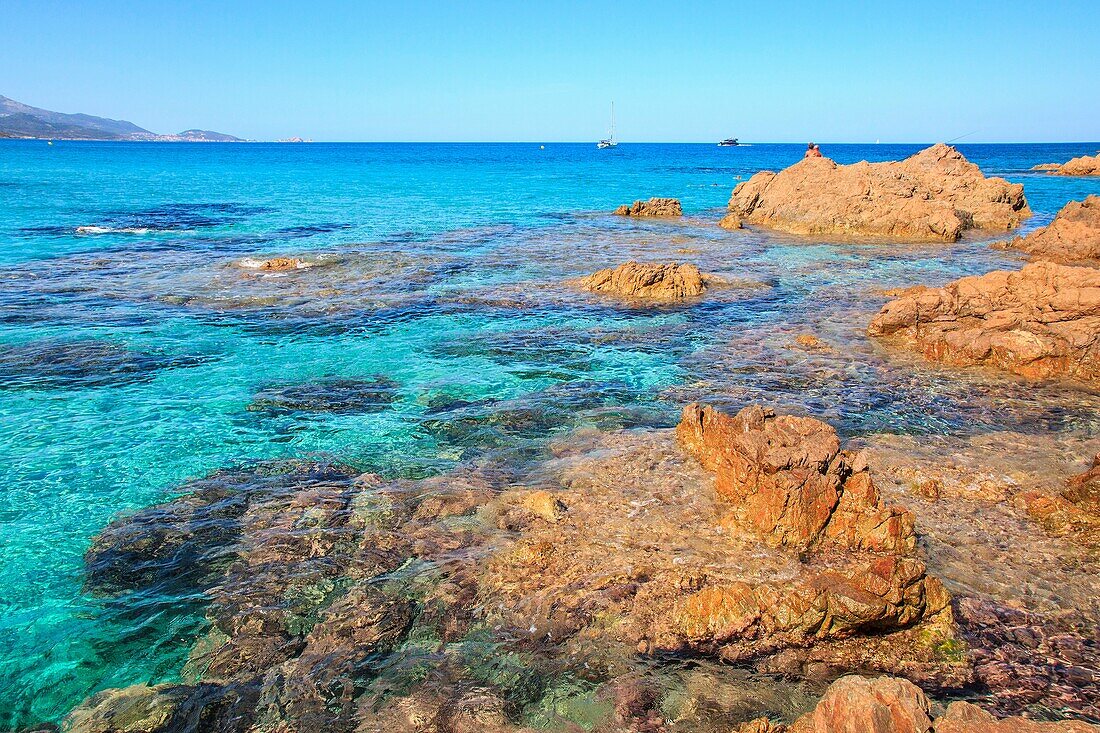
609, 142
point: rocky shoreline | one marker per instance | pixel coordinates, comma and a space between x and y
625, 581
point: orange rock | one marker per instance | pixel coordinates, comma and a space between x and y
653, 207
281, 263
934, 195
788, 478
1085, 165
1073, 236
856, 704
731, 221
643, 560
809, 341
1040, 322
648, 281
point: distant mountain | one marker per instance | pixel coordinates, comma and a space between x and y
206, 136
23, 121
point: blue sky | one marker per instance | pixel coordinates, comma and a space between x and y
486, 70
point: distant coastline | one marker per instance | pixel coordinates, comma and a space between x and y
20, 121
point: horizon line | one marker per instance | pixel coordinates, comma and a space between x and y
545, 142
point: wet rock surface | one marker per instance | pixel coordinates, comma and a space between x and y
1040, 322
1073, 236
649, 281
935, 195
659, 207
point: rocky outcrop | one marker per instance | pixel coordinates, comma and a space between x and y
1073, 236
934, 195
1040, 322
649, 281
789, 479
275, 264
654, 207
1085, 165
888, 705
332, 395
649, 557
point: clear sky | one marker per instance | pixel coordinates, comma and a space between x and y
478, 70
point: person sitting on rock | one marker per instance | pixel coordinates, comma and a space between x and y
812, 151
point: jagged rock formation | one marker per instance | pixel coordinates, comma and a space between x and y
647, 542
649, 281
789, 479
934, 195
654, 207
1085, 165
1073, 236
1040, 322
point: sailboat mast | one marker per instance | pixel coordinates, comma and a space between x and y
612, 121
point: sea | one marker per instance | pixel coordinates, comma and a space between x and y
432, 324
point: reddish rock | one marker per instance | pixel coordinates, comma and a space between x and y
1073, 236
653, 207
934, 195
1042, 321
649, 281
789, 479
856, 704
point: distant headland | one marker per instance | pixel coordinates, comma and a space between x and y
18, 120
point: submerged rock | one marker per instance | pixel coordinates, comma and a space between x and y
934, 195
340, 396
1085, 165
1028, 660
654, 207
1074, 511
649, 281
1040, 322
1073, 236
85, 363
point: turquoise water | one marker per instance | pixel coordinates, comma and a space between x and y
132, 352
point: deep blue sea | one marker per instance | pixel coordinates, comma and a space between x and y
136, 353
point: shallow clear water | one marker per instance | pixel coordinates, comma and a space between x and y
131, 352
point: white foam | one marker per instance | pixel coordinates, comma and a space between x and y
110, 230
